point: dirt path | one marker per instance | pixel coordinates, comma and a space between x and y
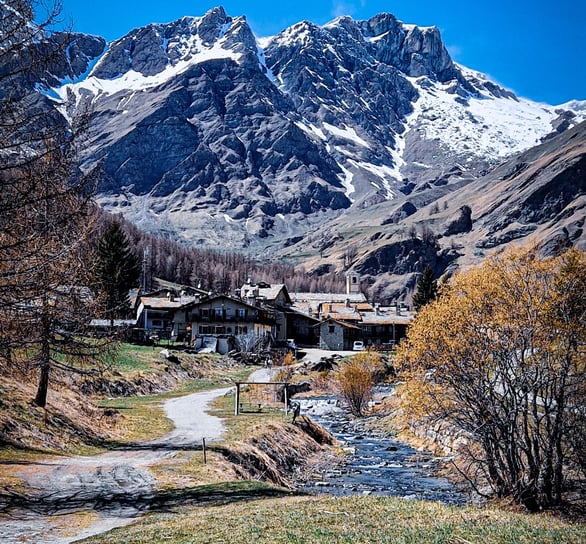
114, 487
192, 422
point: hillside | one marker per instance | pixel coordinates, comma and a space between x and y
536, 198
206, 133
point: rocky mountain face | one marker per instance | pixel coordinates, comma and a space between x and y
203, 131
537, 198
354, 145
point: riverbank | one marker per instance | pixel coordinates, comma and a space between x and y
57, 499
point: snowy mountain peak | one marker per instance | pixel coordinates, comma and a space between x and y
152, 49
281, 133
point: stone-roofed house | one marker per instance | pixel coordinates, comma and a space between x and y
155, 312
386, 325
341, 315
225, 317
337, 335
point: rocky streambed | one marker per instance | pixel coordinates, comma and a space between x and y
374, 463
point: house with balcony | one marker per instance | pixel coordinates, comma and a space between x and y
155, 313
276, 297
223, 317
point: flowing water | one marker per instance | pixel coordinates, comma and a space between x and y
375, 464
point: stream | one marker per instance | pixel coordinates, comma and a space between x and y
375, 464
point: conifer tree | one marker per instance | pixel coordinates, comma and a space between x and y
117, 271
426, 289
45, 211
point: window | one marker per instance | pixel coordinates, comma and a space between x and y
331, 329
241, 312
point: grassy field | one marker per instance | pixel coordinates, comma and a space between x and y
131, 358
352, 520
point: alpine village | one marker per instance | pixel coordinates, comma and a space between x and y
324, 286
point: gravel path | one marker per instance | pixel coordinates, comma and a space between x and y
112, 485
192, 422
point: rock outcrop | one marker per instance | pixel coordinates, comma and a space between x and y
205, 133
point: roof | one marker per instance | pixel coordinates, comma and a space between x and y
177, 287
263, 290
164, 303
388, 318
272, 292
341, 323
297, 312
309, 303
116, 322
327, 297
212, 299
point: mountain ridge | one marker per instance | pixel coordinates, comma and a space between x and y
208, 134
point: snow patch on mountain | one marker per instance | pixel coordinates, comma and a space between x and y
478, 124
386, 175
347, 182
262, 62
190, 50
346, 133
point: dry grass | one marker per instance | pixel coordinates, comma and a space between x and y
144, 417
187, 470
352, 520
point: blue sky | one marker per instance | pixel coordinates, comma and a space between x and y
536, 48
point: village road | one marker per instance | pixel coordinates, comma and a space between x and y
112, 486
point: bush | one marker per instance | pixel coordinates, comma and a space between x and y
356, 378
501, 355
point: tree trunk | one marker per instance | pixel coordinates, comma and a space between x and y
43, 387
45, 365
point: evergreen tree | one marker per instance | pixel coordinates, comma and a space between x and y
117, 271
426, 289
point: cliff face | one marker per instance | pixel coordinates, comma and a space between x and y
205, 132
537, 198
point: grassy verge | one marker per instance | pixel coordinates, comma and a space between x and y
132, 359
352, 520
238, 427
144, 417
